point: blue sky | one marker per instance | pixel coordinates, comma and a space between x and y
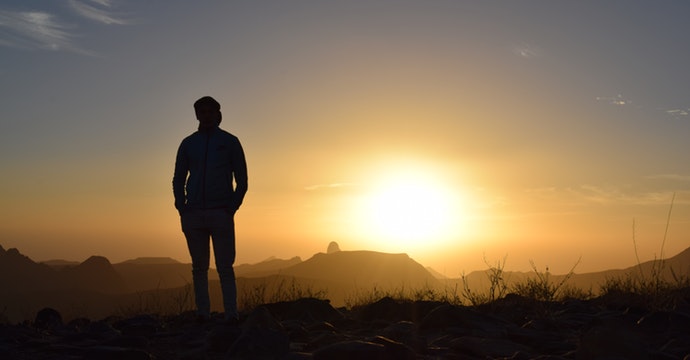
550, 125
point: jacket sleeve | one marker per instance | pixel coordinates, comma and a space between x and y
240, 174
180, 177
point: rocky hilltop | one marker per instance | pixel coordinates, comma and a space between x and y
614, 326
513, 327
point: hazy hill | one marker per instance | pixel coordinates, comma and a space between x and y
59, 263
96, 286
352, 275
342, 274
94, 274
152, 276
143, 274
363, 268
151, 261
19, 273
28, 286
267, 267
666, 268
435, 273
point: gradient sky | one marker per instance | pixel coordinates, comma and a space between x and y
549, 127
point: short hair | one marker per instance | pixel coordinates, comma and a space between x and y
207, 101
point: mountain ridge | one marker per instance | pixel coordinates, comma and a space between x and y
28, 285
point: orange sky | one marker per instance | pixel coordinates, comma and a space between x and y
532, 131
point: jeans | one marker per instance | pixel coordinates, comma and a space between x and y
218, 225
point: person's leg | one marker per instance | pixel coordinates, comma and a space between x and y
198, 244
223, 235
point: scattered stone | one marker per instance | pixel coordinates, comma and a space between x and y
115, 353
220, 338
514, 328
353, 349
488, 347
48, 319
259, 343
304, 309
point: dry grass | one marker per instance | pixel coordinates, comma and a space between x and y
159, 301
275, 289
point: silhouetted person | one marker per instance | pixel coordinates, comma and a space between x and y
209, 184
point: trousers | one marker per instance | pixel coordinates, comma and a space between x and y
216, 226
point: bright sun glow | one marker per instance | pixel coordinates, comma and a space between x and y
411, 209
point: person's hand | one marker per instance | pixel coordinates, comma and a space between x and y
181, 207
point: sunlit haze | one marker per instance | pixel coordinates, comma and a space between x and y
458, 132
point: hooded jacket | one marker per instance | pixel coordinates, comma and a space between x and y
217, 169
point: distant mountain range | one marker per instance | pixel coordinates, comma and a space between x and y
96, 288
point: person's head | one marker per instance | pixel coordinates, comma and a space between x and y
207, 111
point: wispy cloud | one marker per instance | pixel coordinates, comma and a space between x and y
98, 10
526, 51
674, 177
618, 100
593, 194
35, 29
678, 113
47, 31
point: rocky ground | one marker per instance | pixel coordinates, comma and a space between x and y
510, 328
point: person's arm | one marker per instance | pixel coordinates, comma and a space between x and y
240, 174
180, 177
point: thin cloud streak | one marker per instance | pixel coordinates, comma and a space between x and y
617, 100
621, 101
46, 31
35, 30
675, 177
97, 14
678, 113
526, 51
597, 194
592, 194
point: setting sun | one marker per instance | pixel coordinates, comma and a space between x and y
410, 208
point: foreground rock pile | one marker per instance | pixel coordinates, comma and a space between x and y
510, 328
